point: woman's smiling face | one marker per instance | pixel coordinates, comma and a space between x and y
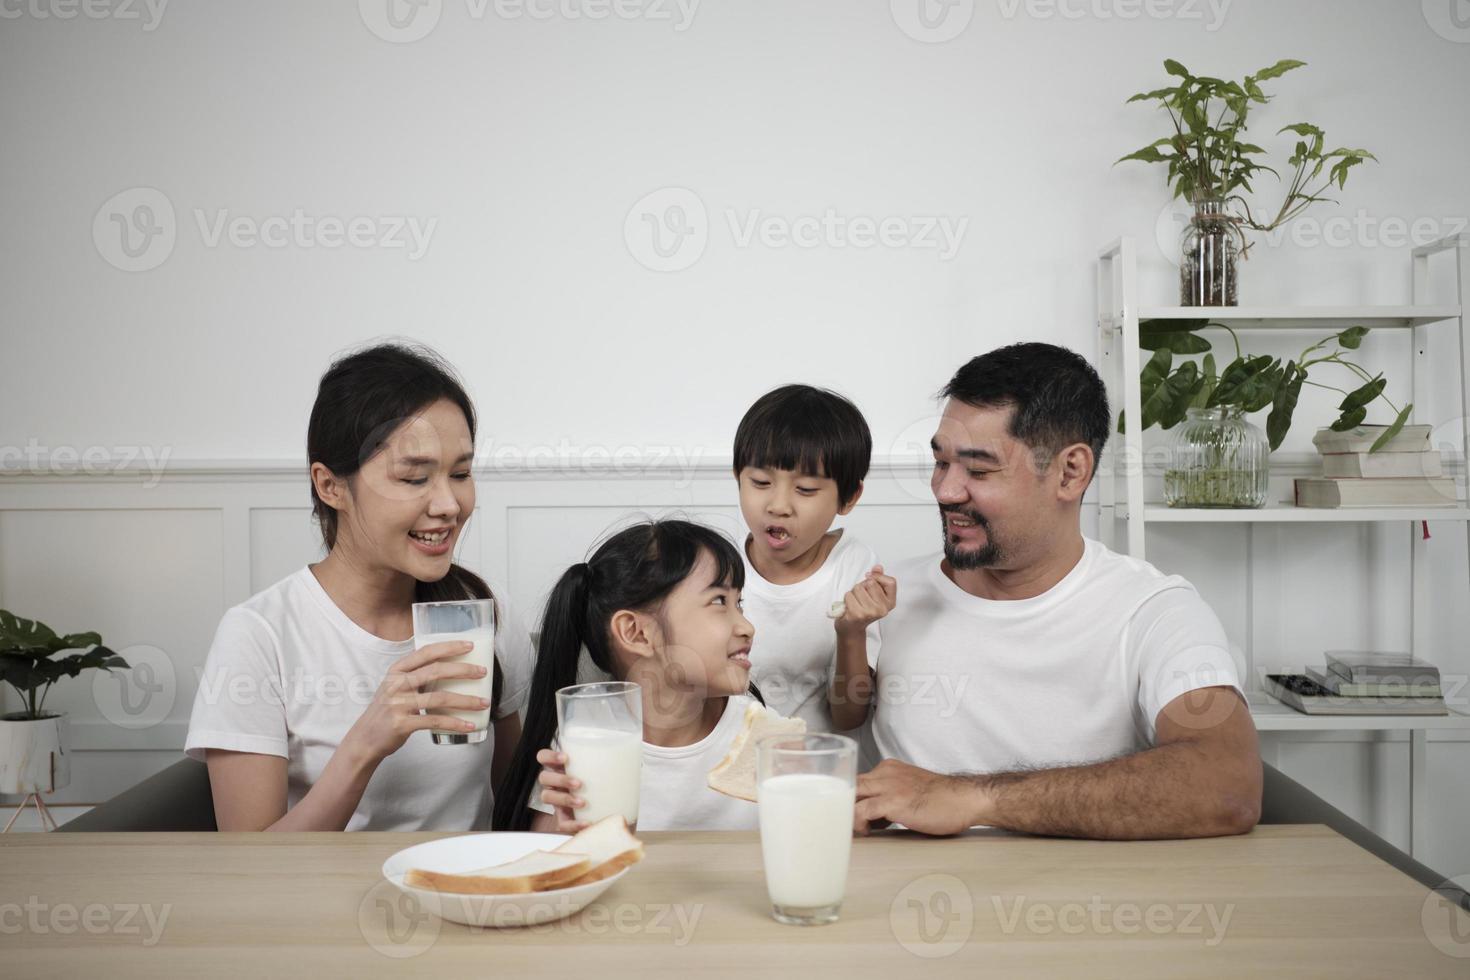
410, 501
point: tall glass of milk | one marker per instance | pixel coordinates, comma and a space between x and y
470, 621
600, 728
806, 788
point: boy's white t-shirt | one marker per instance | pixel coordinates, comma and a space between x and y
794, 653
1073, 676
289, 673
673, 791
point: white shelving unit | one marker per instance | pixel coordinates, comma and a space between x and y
1121, 494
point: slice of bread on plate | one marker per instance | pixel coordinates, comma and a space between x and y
735, 775
538, 871
594, 853
610, 846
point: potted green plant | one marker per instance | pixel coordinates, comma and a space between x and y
1210, 163
33, 741
1219, 460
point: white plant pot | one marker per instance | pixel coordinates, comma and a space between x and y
35, 755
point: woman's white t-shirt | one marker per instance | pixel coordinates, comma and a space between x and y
289, 673
674, 793
794, 652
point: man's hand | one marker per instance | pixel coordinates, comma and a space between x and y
897, 792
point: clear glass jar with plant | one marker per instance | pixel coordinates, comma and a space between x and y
1250, 384
1211, 163
1218, 459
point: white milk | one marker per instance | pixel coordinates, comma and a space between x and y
476, 687
806, 838
610, 765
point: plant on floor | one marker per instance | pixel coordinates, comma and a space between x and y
28, 660
1251, 383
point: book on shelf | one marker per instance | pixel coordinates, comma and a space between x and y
1375, 466
1410, 439
1334, 492
1310, 698
1378, 667
1339, 685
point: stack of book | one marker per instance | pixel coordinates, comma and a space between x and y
1362, 683
1405, 472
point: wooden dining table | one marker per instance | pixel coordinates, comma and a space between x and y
1280, 901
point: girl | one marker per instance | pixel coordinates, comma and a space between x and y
658, 604
308, 710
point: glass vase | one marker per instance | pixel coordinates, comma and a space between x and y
1211, 247
1217, 459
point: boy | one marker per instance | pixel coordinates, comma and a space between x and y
814, 594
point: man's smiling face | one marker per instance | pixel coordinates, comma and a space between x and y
993, 497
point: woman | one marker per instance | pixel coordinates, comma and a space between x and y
308, 710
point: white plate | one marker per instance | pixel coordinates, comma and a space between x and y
458, 855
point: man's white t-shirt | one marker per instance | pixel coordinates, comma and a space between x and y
1074, 676
289, 673
794, 653
674, 793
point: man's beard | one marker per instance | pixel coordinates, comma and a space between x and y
987, 555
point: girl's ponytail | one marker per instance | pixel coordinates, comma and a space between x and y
563, 634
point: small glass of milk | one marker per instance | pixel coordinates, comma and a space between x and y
806, 788
469, 621
600, 728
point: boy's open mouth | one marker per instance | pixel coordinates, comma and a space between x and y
778, 537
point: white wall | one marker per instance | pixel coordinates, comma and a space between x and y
529, 144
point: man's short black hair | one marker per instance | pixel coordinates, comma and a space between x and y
1058, 398
812, 431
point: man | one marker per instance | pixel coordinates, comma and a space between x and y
1031, 679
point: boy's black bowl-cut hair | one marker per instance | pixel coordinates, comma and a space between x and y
810, 430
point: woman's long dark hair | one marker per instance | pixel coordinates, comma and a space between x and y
360, 402
634, 569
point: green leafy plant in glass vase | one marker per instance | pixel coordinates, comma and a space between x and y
1217, 470
1210, 163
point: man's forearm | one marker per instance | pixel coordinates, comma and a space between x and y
1174, 790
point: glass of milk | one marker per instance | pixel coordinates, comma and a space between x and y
471, 621
600, 728
806, 788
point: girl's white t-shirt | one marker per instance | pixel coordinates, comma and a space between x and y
794, 653
673, 791
289, 673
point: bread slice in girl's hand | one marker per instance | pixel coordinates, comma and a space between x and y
735, 775
594, 853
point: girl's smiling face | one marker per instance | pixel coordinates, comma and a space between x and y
702, 639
